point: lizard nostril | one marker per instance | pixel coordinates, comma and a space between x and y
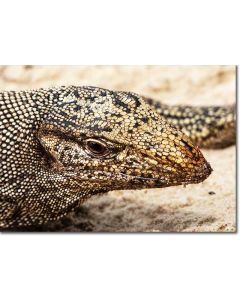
189, 149
187, 145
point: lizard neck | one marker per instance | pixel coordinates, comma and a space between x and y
23, 172
24, 110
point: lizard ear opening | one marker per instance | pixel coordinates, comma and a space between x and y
49, 143
60, 152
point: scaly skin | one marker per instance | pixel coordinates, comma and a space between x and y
208, 126
60, 146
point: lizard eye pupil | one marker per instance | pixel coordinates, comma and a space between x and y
96, 148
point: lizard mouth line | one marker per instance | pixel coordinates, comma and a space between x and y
133, 178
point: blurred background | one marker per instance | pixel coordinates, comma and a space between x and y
206, 207
174, 84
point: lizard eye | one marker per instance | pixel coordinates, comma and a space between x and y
96, 148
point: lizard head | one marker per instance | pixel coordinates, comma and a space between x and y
105, 140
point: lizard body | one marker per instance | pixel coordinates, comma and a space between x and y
62, 145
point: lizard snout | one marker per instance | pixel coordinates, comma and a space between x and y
190, 162
177, 160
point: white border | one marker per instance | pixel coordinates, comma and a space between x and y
126, 32
147, 266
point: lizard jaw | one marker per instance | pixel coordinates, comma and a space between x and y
119, 180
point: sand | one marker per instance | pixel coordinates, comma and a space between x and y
206, 207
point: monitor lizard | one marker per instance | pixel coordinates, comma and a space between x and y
59, 146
